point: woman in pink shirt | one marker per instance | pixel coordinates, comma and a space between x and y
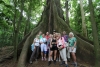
62, 49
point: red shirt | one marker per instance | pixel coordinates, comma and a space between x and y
47, 37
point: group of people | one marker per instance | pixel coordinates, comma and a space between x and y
55, 46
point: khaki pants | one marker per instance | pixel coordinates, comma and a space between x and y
68, 52
63, 54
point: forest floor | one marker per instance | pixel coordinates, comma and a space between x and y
4, 51
9, 62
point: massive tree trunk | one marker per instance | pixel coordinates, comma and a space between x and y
84, 30
56, 21
95, 35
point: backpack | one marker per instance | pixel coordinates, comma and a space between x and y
32, 47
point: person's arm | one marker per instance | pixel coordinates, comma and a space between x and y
47, 42
34, 40
63, 42
57, 43
50, 43
74, 43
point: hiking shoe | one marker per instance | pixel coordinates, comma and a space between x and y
35, 59
62, 63
59, 60
75, 64
51, 59
49, 63
68, 60
72, 63
66, 65
30, 62
54, 61
42, 58
45, 59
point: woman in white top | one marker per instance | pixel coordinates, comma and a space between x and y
35, 52
62, 49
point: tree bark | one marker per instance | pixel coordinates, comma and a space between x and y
49, 24
95, 35
14, 30
84, 30
21, 44
67, 16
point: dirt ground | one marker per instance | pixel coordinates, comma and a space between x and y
38, 63
5, 51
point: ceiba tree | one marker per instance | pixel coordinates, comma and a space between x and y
52, 18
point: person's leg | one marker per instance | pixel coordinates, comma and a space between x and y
55, 53
37, 52
68, 54
42, 46
50, 56
74, 57
45, 51
58, 56
61, 55
73, 54
51, 52
32, 55
64, 56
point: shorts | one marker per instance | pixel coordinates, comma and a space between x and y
45, 52
43, 47
54, 47
73, 51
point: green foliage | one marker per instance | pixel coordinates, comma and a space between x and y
7, 15
75, 16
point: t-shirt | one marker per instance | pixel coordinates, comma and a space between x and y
47, 37
36, 42
65, 38
40, 36
61, 41
71, 41
48, 42
43, 40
